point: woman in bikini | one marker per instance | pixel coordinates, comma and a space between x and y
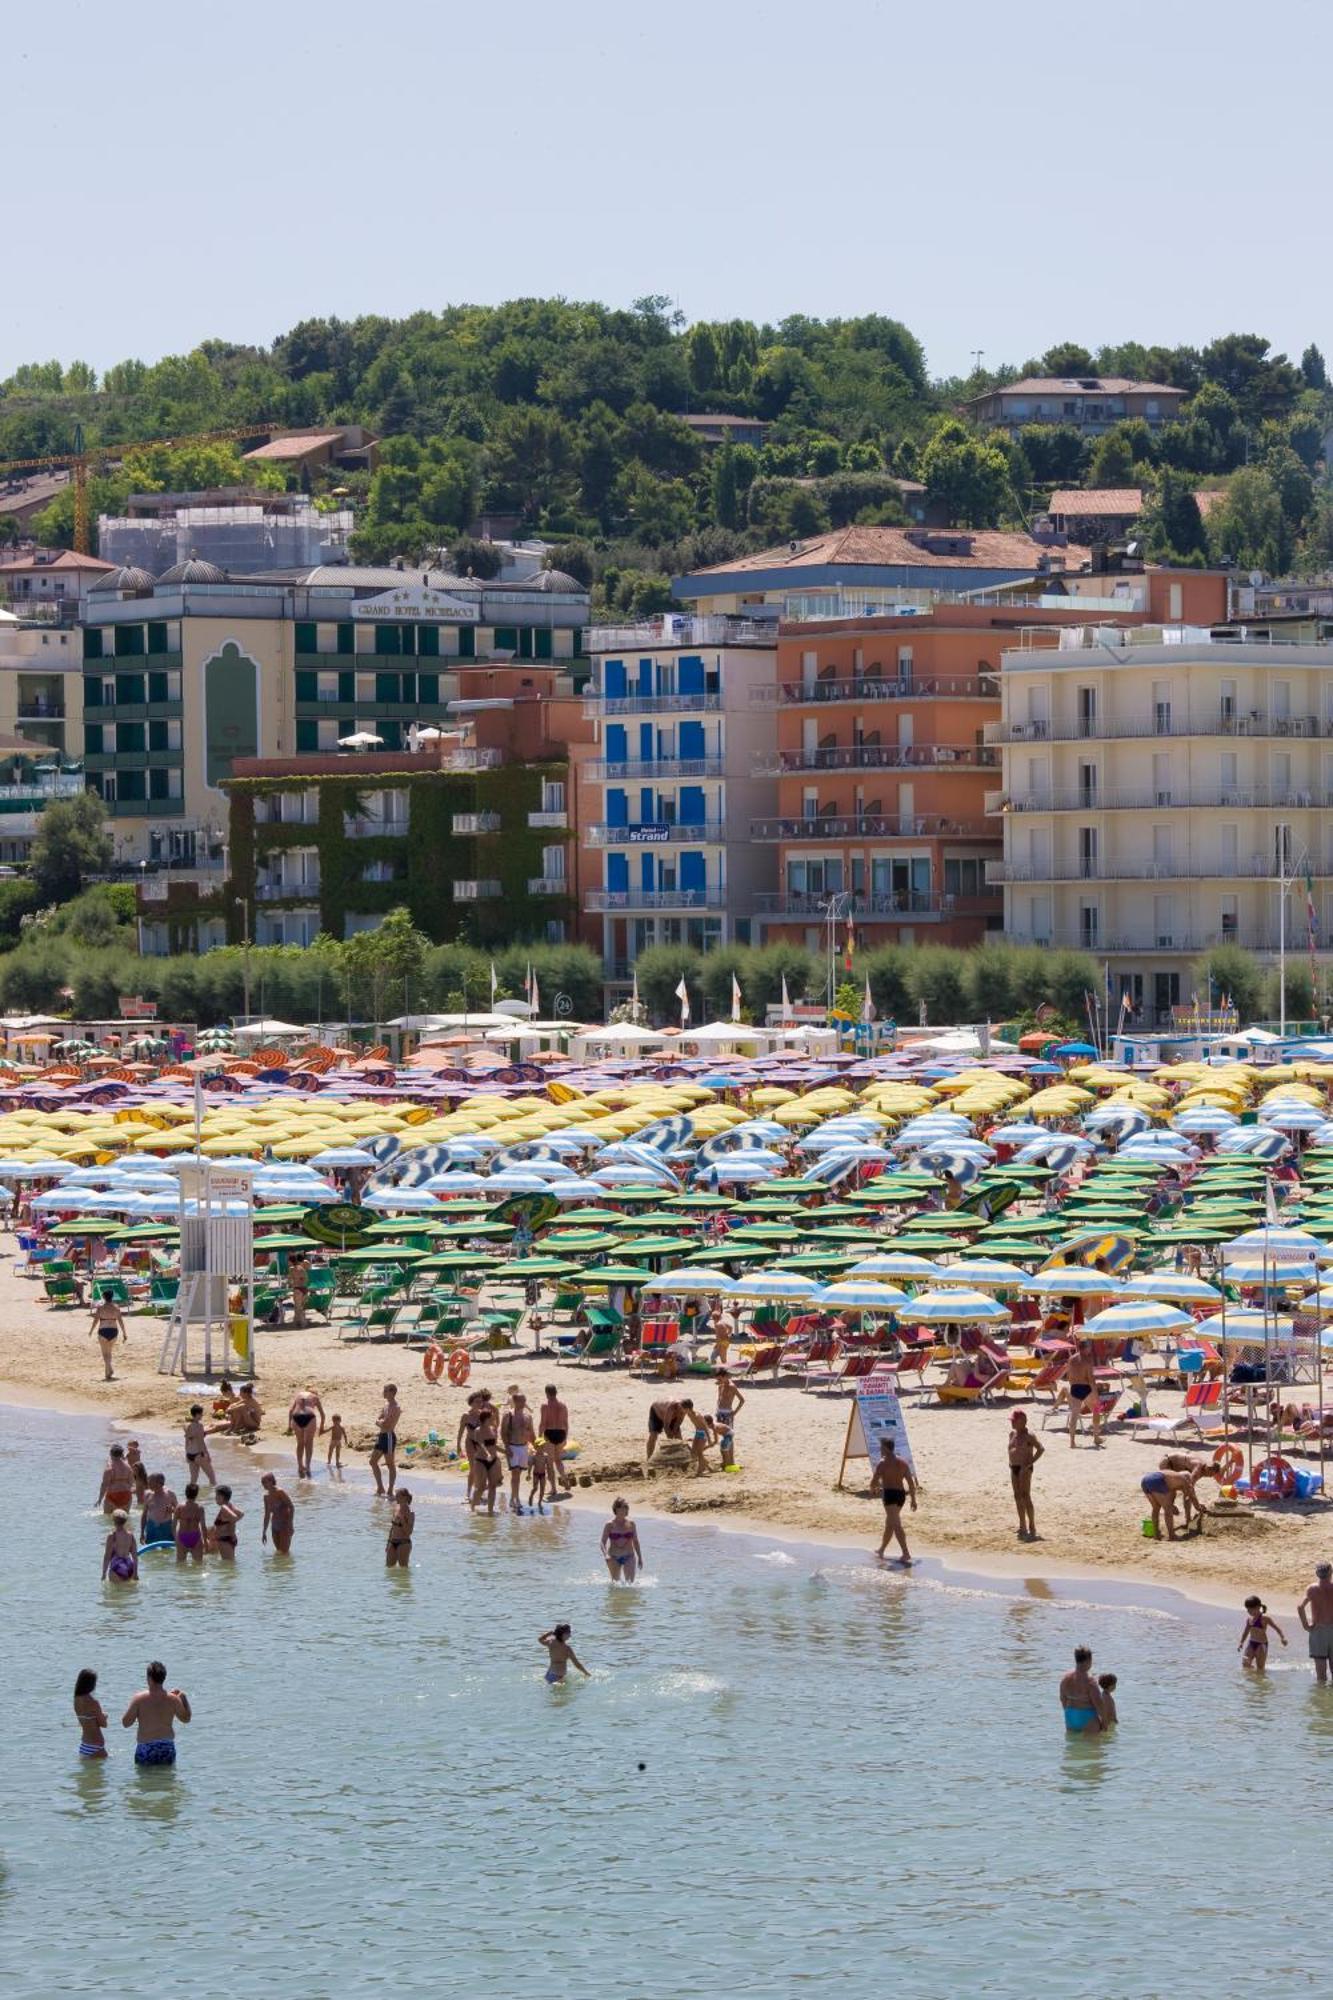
279, 1515
620, 1544
486, 1458
224, 1526
117, 1489
560, 1655
120, 1551
895, 1482
191, 1525
89, 1714
1254, 1635
109, 1325
398, 1547
305, 1412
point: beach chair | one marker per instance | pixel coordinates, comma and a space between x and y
162, 1294
373, 1323
824, 1369
60, 1291
112, 1288
1197, 1421
659, 1336
766, 1356
914, 1361
602, 1346
320, 1294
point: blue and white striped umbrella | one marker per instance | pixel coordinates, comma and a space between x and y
635, 1173
406, 1201
1246, 1323
1136, 1319
461, 1182
1177, 1286
343, 1156
1256, 1271
1204, 1121
894, 1264
1069, 1146
1122, 1119
1019, 1133
513, 1180
1294, 1116
1076, 1281
1259, 1142
688, 1279
959, 1166
983, 1274
862, 1295
774, 1285
1275, 1245
961, 1308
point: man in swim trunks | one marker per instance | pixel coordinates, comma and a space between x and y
156, 1709
197, 1459
553, 1421
157, 1521
109, 1325
665, 1420
1315, 1612
518, 1434
895, 1482
1024, 1451
1080, 1378
306, 1409
386, 1441
1081, 1698
279, 1515
730, 1403
117, 1489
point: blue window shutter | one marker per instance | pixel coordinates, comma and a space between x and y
617, 813
613, 678
616, 744
617, 871
693, 874
690, 739
690, 675
692, 812
646, 865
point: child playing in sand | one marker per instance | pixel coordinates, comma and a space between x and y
1108, 1683
337, 1438
703, 1434
560, 1655
1254, 1635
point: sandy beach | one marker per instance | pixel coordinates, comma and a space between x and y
789, 1445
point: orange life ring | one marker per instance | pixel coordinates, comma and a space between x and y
432, 1363
1275, 1479
1230, 1462
460, 1367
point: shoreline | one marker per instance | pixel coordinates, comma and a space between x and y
1117, 1587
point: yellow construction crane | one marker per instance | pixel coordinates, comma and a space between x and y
81, 462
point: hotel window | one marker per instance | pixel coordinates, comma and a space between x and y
1230, 920
1161, 778
1227, 772
1089, 926
1228, 839
1161, 707
1161, 848
1226, 702
964, 877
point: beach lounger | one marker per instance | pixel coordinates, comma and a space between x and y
659, 1336
602, 1346
1197, 1422
61, 1291
767, 1355
377, 1324
112, 1288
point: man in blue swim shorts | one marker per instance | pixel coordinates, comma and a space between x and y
156, 1710
1080, 1697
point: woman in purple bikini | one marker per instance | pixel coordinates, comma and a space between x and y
191, 1523
120, 1551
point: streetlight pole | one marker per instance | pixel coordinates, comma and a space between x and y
833, 909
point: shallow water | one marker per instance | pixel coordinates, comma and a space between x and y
850, 1777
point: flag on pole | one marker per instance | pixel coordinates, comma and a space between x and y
683, 995
735, 998
1311, 922
1270, 1202
786, 999
495, 985
634, 996
534, 994
847, 948
867, 1003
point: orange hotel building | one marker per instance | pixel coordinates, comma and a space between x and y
883, 768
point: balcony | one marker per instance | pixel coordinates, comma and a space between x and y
659, 834
549, 822
483, 822
145, 808
597, 706
871, 687
880, 757
134, 760
482, 891
1256, 868
656, 899
679, 629
41, 711
901, 905
548, 885
874, 826
658, 767
1172, 721
356, 828
133, 711
279, 891
1230, 798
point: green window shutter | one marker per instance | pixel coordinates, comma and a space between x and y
92, 693
157, 687
307, 684
307, 640
347, 638
467, 642
347, 687
129, 641
92, 738
428, 642
157, 736
388, 639
428, 690
506, 638
543, 642
157, 784
129, 687
130, 736
92, 643
386, 687
307, 738
157, 638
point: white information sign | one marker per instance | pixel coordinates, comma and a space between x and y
873, 1418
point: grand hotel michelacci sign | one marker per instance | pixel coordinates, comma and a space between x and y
417, 601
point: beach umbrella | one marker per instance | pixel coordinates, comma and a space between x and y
962, 1308
1291, 1117
1177, 1286
1257, 1271
862, 1295
774, 1285
1274, 1245
536, 1267
1057, 1150
1136, 1319
1095, 1246
894, 1264
1202, 1121
982, 1274
343, 1156
682, 1283
1075, 1281
1245, 1324
1122, 1119
1261, 1142
615, 1274
964, 1168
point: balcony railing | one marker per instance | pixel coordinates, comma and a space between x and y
899, 903
1254, 868
472, 823
549, 822
659, 834
41, 711
872, 687
880, 757
357, 828
598, 705
657, 767
874, 826
548, 885
276, 892
656, 899
1228, 798
479, 891
1172, 720
716, 628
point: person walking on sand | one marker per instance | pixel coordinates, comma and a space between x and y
333, 1457
90, 1715
223, 1539
553, 1421
386, 1441
1081, 1698
518, 1434
108, 1323
398, 1547
306, 1409
156, 1710
1253, 1642
298, 1285
1315, 1612
1080, 1379
120, 1551
560, 1655
279, 1515
1025, 1448
620, 1545
894, 1481
117, 1488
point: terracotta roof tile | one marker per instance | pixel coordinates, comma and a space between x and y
887, 548
1097, 500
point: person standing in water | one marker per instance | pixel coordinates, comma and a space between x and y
1080, 1696
386, 1441
305, 1410
117, 1489
1315, 1612
517, 1434
90, 1714
553, 1418
1024, 1451
620, 1544
120, 1551
560, 1655
156, 1710
398, 1547
894, 1481
191, 1525
224, 1526
108, 1323
279, 1515
196, 1447
138, 1470
1253, 1643
157, 1521
333, 1457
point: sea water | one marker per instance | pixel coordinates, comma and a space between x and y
791, 1772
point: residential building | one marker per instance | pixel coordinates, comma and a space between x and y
474, 847
715, 427
668, 800
41, 684
1150, 780
1090, 404
300, 453
27, 787
184, 673
1097, 514
881, 568
50, 583
21, 497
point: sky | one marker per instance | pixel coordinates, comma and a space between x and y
997, 178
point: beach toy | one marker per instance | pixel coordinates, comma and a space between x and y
432, 1363
432, 1437
1275, 1479
1150, 1530
460, 1367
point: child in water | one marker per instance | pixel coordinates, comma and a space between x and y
90, 1714
541, 1476
560, 1655
333, 1458
1108, 1685
1254, 1635
120, 1552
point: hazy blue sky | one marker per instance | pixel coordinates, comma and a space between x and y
997, 177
